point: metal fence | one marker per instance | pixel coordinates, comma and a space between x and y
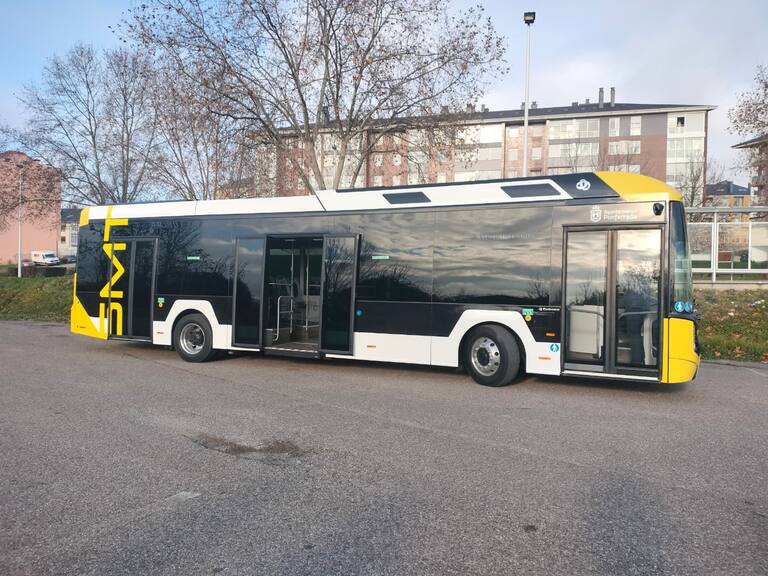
729, 244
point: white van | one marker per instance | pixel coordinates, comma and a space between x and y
44, 258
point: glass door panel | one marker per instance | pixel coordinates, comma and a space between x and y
249, 282
638, 274
142, 274
585, 296
338, 293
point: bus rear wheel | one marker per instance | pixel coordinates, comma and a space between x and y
193, 339
491, 356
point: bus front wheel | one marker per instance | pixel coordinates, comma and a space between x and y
491, 355
193, 338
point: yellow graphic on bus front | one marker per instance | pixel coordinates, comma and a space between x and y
111, 321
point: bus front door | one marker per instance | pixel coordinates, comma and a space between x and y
131, 288
337, 296
612, 301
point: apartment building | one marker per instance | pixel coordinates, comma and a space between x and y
659, 140
757, 148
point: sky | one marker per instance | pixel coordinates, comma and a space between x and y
652, 51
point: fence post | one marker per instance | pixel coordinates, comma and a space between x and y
715, 242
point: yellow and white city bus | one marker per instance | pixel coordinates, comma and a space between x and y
576, 275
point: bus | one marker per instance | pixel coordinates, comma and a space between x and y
584, 275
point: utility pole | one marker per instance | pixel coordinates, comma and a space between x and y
22, 167
528, 18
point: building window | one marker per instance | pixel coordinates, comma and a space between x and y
397, 159
536, 153
441, 178
635, 125
624, 147
396, 179
378, 159
74, 238
680, 122
492, 153
613, 126
378, 180
513, 154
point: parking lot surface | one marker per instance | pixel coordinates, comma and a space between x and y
119, 458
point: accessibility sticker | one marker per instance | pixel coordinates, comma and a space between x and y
554, 347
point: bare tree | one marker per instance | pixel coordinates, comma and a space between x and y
696, 174
91, 119
749, 118
353, 71
200, 155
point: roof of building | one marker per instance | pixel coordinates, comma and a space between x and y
726, 188
752, 142
591, 109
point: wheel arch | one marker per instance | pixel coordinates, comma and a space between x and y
465, 340
180, 309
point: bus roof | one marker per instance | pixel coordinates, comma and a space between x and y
597, 186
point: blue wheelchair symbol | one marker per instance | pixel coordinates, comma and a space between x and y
554, 347
679, 307
688, 307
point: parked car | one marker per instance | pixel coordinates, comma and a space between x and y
71, 259
45, 258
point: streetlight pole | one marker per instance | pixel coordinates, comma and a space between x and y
528, 18
22, 167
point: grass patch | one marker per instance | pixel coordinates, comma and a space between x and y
46, 299
734, 324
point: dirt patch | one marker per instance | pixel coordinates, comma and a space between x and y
274, 448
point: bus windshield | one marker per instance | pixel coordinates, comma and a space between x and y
681, 292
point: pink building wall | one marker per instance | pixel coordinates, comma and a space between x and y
42, 234
40, 222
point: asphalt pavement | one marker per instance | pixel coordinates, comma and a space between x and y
119, 458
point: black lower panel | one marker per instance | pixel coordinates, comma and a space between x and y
426, 319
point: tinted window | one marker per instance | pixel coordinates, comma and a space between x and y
499, 256
92, 262
395, 256
196, 257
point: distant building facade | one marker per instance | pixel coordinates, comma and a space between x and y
726, 193
70, 230
658, 140
40, 230
758, 150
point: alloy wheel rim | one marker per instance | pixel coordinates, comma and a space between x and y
485, 356
192, 338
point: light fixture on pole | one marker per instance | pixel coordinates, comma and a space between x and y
528, 18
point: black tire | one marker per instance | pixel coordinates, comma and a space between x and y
491, 355
193, 339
